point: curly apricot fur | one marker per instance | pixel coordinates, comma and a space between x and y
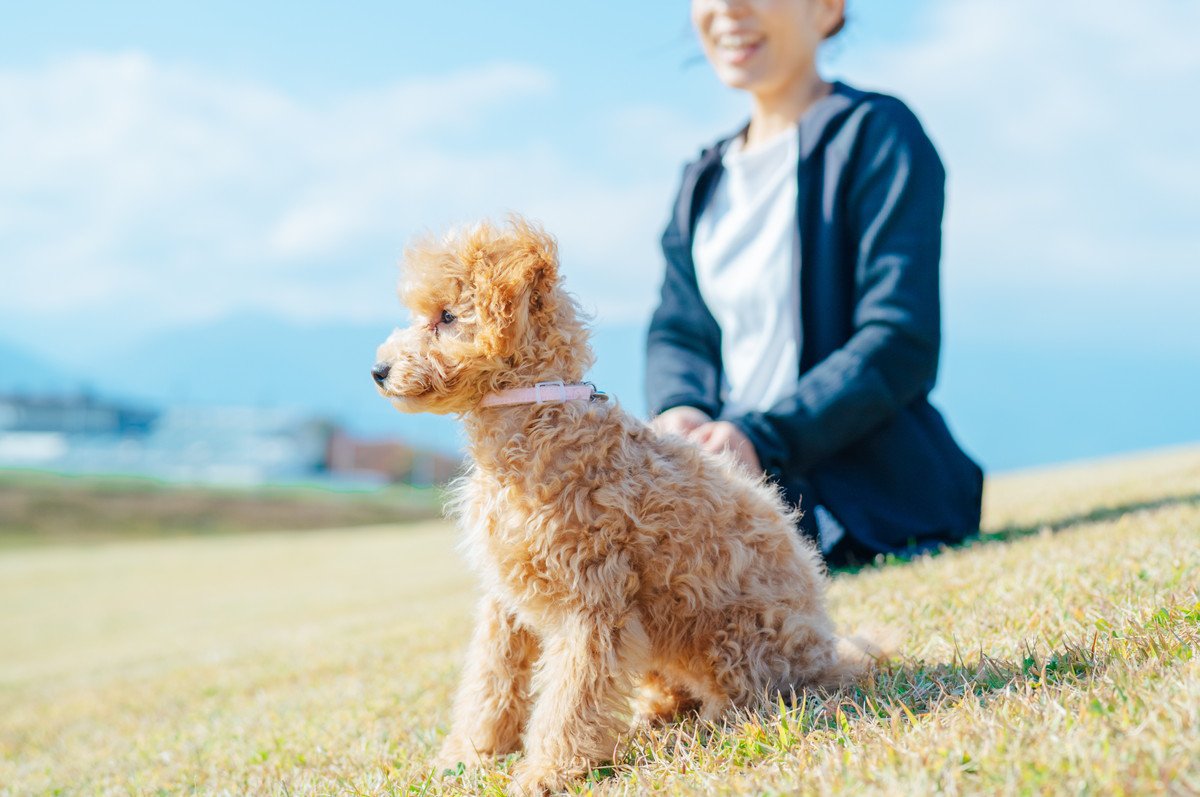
612, 559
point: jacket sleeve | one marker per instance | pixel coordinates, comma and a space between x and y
683, 347
894, 203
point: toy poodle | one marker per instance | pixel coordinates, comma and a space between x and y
626, 575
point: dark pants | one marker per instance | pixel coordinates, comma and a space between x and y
846, 552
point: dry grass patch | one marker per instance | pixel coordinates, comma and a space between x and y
47, 508
1056, 654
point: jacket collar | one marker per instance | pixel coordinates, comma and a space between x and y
820, 121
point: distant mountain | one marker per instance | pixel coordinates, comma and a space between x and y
23, 371
1010, 405
325, 368
262, 360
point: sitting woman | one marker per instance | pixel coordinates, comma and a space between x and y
799, 324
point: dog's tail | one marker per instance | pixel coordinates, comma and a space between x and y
859, 656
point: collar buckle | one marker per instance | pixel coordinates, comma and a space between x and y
555, 383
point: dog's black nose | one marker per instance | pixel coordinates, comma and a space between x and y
380, 372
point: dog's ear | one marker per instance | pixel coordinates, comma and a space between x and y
514, 276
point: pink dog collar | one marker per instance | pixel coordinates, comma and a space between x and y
542, 393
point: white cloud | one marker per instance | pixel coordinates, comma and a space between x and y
142, 194
1056, 120
1074, 189
145, 192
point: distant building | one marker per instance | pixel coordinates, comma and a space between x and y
77, 414
227, 445
243, 445
44, 431
389, 460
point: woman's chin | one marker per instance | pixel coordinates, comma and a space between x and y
744, 78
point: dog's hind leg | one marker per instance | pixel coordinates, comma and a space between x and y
764, 652
492, 704
583, 682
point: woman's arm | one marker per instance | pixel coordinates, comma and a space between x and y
683, 347
895, 201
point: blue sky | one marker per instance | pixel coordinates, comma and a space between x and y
163, 166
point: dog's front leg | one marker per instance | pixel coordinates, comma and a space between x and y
586, 670
492, 703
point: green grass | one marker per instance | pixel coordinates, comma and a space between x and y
1056, 654
39, 508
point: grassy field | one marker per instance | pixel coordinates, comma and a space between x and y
37, 508
1055, 655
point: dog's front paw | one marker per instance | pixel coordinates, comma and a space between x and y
534, 778
458, 753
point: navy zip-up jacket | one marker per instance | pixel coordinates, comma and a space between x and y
858, 429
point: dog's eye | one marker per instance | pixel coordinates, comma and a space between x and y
447, 317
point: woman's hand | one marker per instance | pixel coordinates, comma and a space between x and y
718, 436
709, 435
680, 420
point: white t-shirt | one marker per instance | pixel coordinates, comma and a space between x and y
743, 252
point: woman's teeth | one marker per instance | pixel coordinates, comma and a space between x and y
736, 48
733, 41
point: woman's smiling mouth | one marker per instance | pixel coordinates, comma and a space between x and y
737, 48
